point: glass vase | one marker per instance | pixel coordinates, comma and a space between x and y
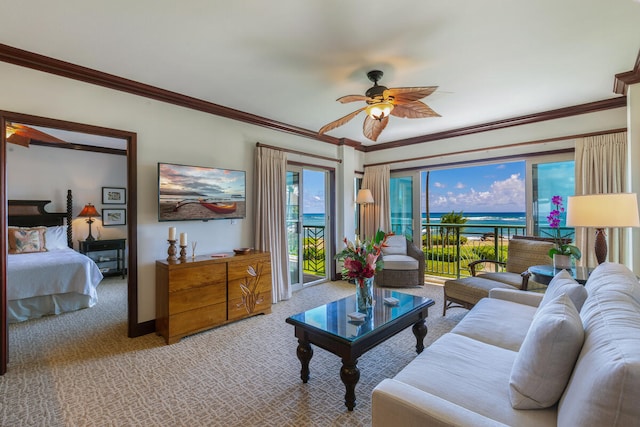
364, 293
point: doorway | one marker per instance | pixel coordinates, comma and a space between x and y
134, 329
308, 225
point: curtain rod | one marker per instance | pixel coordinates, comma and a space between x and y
302, 153
519, 144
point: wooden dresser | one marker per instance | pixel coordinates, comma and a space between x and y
203, 292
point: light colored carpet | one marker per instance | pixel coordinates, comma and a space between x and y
80, 369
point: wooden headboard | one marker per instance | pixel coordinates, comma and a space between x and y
31, 213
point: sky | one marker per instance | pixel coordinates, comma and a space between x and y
491, 188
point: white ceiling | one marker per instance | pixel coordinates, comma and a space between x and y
289, 60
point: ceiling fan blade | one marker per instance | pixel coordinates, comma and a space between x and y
340, 121
373, 127
403, 95
31, 134
352, 98
18, 139
413, 110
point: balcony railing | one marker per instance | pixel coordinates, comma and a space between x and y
449, 248
313, 246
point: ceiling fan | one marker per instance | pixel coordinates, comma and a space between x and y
382, 102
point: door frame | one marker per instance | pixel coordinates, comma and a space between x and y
134, 329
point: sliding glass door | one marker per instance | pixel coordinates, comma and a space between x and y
549, 179
307, 225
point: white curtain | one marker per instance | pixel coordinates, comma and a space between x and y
377, 215
600, 169
270, 216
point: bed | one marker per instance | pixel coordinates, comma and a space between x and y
44, 274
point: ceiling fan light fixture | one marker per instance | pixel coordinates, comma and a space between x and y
379, 110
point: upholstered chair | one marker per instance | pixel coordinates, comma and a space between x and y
403, 264
523, 252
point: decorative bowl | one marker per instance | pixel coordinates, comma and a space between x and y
242, 251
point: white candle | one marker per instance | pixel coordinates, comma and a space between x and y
172, 233
183, 239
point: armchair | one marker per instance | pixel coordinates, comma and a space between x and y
523, 252
403, 264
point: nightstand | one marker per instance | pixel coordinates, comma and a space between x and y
107, 254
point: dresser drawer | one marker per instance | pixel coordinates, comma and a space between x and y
192, 321
189, 299
194, 277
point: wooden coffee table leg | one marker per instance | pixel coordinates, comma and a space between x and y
305, 353
350, 375
420, 331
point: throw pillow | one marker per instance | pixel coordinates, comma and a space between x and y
543, 366
56, 237
395, 245
563, 283
25, 240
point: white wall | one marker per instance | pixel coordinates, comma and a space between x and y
45, 173
165, 133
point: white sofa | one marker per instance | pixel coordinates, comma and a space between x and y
578, 366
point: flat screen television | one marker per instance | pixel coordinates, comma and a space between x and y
197, 193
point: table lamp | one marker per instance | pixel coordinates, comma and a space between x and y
602, 211
89, 211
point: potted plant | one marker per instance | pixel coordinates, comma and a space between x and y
563, 251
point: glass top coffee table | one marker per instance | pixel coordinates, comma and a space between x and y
329, 327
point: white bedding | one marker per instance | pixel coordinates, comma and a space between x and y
58, 271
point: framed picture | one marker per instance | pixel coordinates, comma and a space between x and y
114, 217
114, 196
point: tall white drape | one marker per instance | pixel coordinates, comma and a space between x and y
377, 215
270, 216
601, 168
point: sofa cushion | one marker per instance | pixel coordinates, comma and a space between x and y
605, 384
473, 375
395, 245
400, 262
563, 283
546, 358
497, 322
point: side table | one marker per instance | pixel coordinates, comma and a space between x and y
544, 273
107, 254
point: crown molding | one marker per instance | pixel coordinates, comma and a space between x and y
506, 123
623, 80
66, 69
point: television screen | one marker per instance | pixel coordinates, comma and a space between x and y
200, 193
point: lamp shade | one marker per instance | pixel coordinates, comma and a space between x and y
379, 110
88, 211
603, 210
364, 197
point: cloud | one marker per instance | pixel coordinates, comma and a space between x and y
460, 185
507, 195
439, 185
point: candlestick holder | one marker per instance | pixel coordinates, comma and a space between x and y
183, 252
172, 251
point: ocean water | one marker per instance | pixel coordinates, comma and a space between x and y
487, 219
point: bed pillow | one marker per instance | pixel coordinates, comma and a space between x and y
544, 364
56, 237
24, 240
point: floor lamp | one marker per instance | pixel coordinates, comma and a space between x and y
364, 198
602, 211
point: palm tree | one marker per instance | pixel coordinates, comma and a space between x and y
451, 218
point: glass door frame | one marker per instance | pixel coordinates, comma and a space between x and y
329, 225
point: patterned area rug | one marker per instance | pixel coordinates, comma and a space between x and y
80, 369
